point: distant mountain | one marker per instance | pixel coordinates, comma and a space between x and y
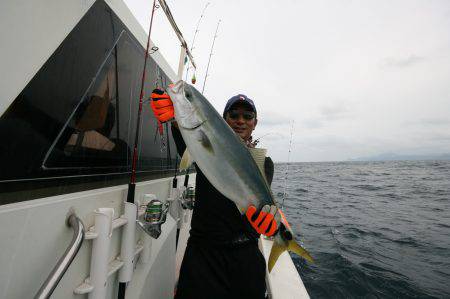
400, 157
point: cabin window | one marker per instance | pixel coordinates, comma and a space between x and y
96, 133
77, 116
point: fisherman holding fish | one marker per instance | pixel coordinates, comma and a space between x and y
233, 205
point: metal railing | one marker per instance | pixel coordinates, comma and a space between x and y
64, 262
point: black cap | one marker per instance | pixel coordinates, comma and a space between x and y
236, 99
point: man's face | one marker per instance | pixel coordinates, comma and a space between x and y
242, 120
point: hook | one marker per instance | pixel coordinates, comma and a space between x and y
153, 50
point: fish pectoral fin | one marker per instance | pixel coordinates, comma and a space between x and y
298, 249
277, 249
204, 140
186, 160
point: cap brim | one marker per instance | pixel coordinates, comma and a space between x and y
243, 103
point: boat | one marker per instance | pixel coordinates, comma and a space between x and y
71, 73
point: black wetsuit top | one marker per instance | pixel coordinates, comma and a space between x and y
222, 258
216, 219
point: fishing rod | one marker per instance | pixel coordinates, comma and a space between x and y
210, 54
193, 40
287, 166
132, 183
177, 30
257, 140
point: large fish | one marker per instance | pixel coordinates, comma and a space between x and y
226, 161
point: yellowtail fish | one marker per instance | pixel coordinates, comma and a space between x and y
226, 161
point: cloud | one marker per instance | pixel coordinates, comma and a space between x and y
327, 113
327, 141
271, 136
404, 62
313, 123
335, 111
433, 122
429, 126
271, 119
436, 138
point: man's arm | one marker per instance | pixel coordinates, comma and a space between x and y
163, 110
179, 142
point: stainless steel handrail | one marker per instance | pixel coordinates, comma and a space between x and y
64, 262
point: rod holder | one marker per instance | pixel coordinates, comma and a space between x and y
128, 243
188, 198
100, 252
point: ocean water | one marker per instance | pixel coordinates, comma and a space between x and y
375, 229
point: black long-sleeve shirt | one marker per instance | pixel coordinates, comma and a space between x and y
216, 219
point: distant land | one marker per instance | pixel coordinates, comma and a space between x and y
400, 157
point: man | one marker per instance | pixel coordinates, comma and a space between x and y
222, 258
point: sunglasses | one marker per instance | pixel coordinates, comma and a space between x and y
247, 115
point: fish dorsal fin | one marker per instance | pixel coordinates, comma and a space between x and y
186, 160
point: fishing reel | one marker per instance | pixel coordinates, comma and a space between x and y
155, 215
188, 198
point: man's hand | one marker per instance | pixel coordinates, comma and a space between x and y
264, 222
162, 105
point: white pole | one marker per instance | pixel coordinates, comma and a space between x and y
181, 63
146, 253
128, 243
100, 252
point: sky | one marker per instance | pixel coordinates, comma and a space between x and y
356, 78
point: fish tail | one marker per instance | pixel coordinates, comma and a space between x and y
284, 241
277, 249
298, 249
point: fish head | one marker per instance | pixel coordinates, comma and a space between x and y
186, 105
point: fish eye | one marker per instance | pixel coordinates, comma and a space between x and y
188, 94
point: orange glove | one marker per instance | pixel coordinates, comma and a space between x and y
264, 223
162, 105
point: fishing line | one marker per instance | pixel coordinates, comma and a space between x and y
162, 138
193, 40
116, 68
287, 167
257, 140
210, 54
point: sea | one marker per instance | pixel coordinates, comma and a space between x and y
375, 229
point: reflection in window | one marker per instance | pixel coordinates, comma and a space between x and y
77, 116
100, 131
92, 137
94, 120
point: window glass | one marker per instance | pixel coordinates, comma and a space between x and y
93, 136
77, 116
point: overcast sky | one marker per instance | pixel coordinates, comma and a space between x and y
359, 78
